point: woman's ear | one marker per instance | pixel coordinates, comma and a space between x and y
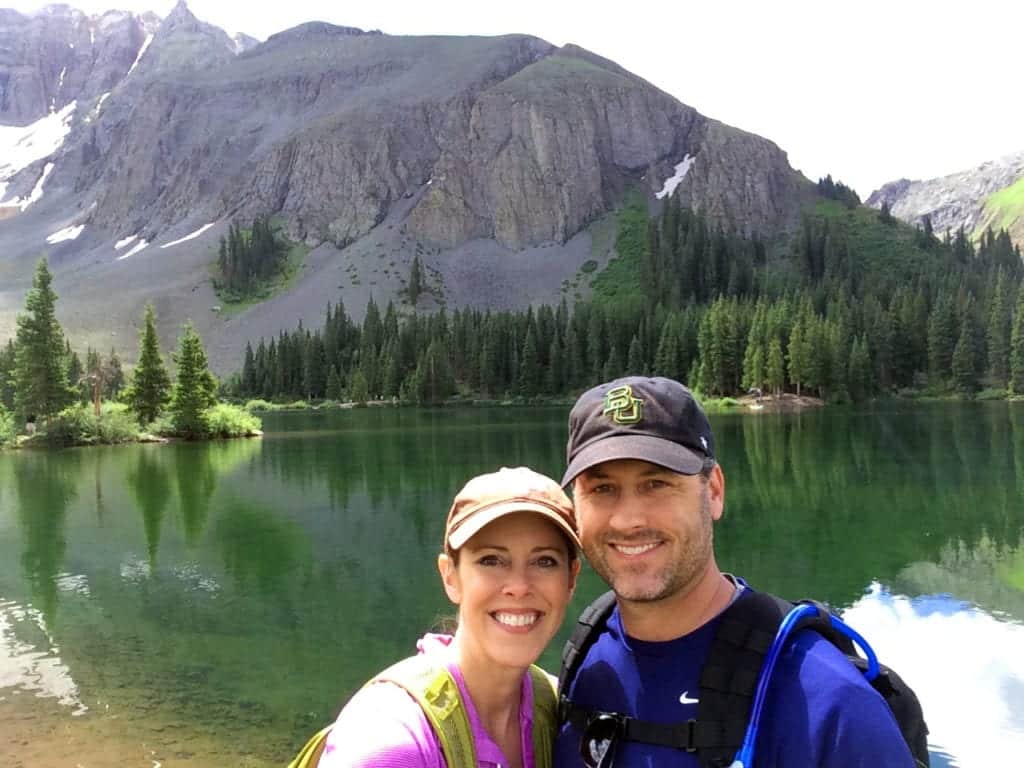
449, 577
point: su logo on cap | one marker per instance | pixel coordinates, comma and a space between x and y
622, 406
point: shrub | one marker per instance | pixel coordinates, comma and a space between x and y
254, 406
994, 393
7, 431
226, 420
78, 425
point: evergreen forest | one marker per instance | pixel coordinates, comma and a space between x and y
853, 305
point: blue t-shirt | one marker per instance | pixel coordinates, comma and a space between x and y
819, 711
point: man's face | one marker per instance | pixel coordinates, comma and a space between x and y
647, 530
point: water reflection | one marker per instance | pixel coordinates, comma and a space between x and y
965, 665
29, 657
150, 484
45, 486
256, 584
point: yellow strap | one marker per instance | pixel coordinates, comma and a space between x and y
309, 756
545, 704
437, 693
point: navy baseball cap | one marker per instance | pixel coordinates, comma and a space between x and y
650, 419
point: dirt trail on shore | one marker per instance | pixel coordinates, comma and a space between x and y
40, 733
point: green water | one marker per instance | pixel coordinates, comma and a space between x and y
240, 591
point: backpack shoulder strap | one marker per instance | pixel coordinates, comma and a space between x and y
588, 627
729, 677
309, 757
544, 716
435, 690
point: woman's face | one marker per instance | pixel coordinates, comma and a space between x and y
512, 583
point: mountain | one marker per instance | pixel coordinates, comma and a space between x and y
991, 195
496, 160
59, 55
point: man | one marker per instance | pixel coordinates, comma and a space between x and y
647, 488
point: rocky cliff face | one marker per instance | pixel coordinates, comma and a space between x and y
60, 55
974, 199
328, 127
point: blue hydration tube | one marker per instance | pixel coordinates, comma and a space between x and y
745, 756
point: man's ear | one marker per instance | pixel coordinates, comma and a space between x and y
716, 492
449, 577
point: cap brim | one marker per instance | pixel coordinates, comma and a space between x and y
656, 450
479, 520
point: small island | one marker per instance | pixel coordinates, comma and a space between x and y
48, 398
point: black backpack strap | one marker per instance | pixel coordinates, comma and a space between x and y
729, 678
584, 634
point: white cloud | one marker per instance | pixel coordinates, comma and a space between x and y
965, 665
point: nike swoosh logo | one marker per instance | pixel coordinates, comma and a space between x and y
684, 699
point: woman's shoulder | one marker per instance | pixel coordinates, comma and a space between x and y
380, 727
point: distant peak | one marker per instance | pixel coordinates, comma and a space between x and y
180, 13
318, 29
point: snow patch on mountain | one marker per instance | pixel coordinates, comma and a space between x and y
676, 179
142, 50
22, 146
95, 111
142, 244
37, 190
192, 236
68, 233
125, 242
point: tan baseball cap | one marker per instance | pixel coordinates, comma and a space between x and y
485, 498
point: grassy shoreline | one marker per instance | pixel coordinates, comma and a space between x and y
79, 426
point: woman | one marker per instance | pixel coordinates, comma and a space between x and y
510, 561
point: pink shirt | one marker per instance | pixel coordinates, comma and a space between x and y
382, 726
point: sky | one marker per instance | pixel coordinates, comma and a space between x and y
867, 91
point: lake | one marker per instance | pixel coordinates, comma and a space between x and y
214, 604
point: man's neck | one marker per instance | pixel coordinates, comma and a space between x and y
681, 613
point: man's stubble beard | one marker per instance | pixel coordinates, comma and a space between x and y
682, 573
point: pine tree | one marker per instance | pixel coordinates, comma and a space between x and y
41, 386
114, 377
529, 379
634, 359
151, 386
415, 280
797, 356
76, 375
942, 337
334, 384
998, 332
775, 368
859, 371
556, 383
965, 374
195, 388
248, 382
357, 388
1017, 346
7, 359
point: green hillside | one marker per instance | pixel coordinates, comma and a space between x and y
1004, 210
